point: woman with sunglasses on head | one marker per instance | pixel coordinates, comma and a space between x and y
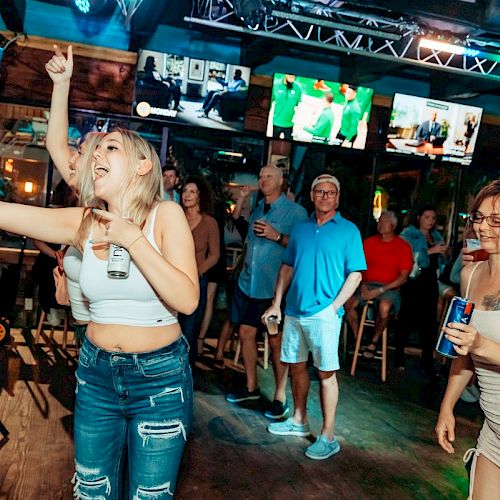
134, 385
478, 346
75, 169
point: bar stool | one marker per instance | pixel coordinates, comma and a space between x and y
383, 354
44, 323
261, 347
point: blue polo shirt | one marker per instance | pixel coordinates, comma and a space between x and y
263, 257
322, 257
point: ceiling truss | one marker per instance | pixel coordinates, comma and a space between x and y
349, 32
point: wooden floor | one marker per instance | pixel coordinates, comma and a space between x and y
387, 439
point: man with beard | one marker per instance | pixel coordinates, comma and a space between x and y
286, 97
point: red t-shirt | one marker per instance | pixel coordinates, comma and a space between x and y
386, 259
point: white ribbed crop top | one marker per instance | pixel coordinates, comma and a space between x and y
72, 264
131, 301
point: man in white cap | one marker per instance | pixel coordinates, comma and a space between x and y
321, 270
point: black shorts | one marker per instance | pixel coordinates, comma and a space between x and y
246, 310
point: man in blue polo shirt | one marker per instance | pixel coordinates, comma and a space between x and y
269, 225
321, 270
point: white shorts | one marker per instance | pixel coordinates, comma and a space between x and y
318, 334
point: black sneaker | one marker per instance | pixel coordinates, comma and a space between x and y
278, 410
242, 394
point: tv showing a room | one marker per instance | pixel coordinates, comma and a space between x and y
191, 91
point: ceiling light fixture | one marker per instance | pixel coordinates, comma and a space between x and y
460, 50
89, 7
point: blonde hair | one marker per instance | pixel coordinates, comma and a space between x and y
85, 184
138, 193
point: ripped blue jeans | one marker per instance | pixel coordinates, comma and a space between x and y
132, 416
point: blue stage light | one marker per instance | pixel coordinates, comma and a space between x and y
83, 6
88, 7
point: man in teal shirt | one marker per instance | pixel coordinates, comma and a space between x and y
351, 114
321, 270
286, 97
323, 127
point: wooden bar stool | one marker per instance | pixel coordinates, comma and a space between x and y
44, 324
261, 347
364, 321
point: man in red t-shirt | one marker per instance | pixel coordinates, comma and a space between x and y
389, 260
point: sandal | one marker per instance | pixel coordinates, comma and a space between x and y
369, 352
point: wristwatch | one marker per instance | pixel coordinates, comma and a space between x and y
279, 239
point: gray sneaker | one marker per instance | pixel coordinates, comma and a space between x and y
322, 448
289, 428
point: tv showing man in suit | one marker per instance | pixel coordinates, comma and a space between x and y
428, 127
429, 130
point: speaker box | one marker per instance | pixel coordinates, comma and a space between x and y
13, 12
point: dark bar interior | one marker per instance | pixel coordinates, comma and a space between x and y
319, 318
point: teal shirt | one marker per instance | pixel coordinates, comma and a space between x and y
321, 257
263, 257
323, 127
285, 100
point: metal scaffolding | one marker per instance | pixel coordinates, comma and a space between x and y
348, 31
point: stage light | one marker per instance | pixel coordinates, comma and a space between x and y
460, 50
89, 6
251, 12
28, 187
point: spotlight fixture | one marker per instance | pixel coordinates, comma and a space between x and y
89, 6
252, 12
460, 50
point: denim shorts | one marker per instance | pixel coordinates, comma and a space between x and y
318, 334
393, 295
140, 403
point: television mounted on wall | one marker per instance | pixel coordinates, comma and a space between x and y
191, 91
433, 128
319, 111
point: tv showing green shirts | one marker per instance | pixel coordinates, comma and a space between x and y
315, 110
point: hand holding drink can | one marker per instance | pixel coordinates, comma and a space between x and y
272, 325
459, 311
473, 246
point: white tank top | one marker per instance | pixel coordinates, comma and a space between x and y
72, 264
131, 301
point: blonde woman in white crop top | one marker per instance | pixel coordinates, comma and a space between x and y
134, 385
479, 347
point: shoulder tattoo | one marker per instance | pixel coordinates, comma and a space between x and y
492, 302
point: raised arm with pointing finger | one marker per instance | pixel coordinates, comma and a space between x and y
60, 70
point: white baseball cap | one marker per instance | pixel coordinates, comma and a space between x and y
325, 178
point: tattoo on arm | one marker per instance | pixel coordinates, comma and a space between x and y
492, 302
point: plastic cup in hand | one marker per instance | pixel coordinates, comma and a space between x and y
272, 325
257, 229
473, 246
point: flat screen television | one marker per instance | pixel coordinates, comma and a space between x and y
190, 91
320, 111
428, 127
